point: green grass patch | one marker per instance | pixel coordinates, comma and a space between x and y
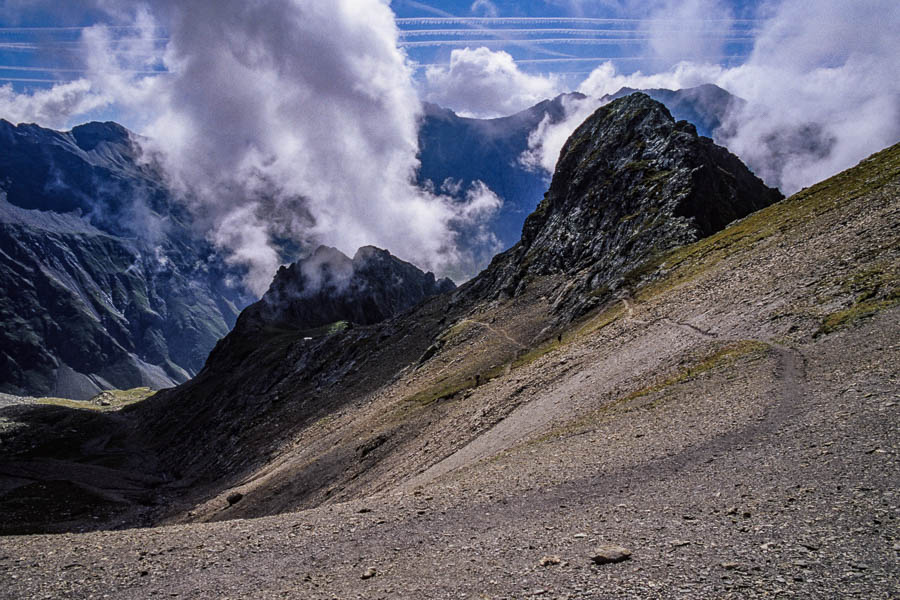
860, 310
872, 290
104, 401
724, 356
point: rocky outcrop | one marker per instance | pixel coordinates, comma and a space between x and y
489, 150
705, 106
329, 287
631, 183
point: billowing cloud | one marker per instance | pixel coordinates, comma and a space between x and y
52, 107
822, 90
820, 83
482, 83
290, 119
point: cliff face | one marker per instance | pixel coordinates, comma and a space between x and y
631, 183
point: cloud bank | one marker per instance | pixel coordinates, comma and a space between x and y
820, 85
296, 119
484, 83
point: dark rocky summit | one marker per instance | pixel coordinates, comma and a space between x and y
705, 106
631, 183
328, 287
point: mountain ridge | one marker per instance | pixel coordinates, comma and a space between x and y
95, 250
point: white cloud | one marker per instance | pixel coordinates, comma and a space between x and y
822, 88
300, 118
51, 107
688, 30
484, 8
483, 83
820, 83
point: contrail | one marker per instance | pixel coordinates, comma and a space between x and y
487, 21
548, 41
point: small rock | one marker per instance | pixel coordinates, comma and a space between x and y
610, 554
546, 561
579, 536
370, 573
234, 498
680, 543
730, 566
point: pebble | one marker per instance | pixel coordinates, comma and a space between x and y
370, 572
546, 561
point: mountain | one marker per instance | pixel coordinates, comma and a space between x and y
328, 287
467, 150
631, 183
729, 407
94, 248
103, 282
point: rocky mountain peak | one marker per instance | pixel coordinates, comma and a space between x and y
90, 135
328, 286
630, 184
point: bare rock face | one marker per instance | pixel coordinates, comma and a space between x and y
329, 287
630, 184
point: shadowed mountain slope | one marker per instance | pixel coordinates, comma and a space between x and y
288, 364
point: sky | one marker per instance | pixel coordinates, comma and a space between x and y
298, 118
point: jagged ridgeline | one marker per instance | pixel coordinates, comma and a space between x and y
630, 184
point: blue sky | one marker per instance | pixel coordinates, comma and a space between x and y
40, 43
569, 38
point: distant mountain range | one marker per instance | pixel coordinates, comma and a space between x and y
105, 283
